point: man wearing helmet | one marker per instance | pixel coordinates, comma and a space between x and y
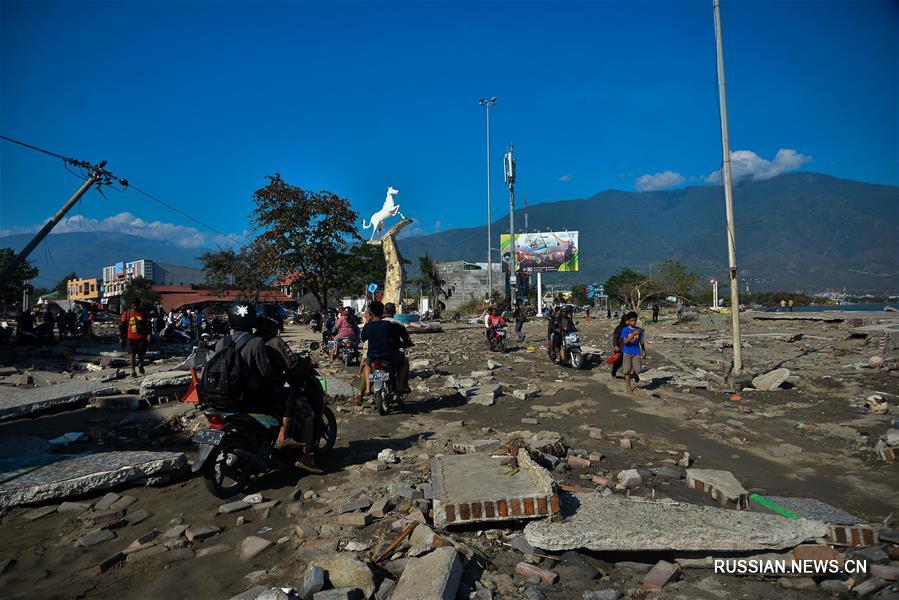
296, 371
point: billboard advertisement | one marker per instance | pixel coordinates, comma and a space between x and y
541, 251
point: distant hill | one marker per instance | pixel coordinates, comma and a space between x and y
797, 231
86, 253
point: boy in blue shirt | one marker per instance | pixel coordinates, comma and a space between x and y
632, 350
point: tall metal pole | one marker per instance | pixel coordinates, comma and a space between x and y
37, 239
488, 104
509, 174
728, 198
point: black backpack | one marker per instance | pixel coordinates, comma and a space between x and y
222, 383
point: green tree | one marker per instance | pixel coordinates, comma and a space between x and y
631, 287
579, 294
246, 270
139, 289
363, 264
15, 282
305, 232
62, 287
674, 279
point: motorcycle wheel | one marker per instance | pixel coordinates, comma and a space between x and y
347, 360
327, 436
381, 402
502, 346
222, 479
576, 359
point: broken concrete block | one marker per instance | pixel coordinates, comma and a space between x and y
347, 571
96, 537
340, 594
376, 466
143, 542
380, 508
528, 570
630, 478
85, 474
105, 503
524, 394
305, 532
627, 443
232, 507
21, 402
475, 446
887, 572
578, 462
253, 545
107, 564
385, 590
722, 486
771, 380
659, 576
137, 516
213, 550
313, 582
123, 502
816, 552
476, 487
73, 507
40, 512
354, 504
435, 576
198, 534
118, 402
870, 586
615, 523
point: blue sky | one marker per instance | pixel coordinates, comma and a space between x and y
197, 102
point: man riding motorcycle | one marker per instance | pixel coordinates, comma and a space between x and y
492, 321
562, 326
385, 340
296, 371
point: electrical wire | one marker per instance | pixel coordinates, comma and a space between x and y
182, 213
39, 149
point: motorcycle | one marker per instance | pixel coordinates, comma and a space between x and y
241, 445
315, 326
348, 351
384, 386
498, 339
574, 356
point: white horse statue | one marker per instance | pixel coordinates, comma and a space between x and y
390, 209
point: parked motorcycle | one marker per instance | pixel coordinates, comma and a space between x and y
498, 339
240, 445
574, 355
348, 351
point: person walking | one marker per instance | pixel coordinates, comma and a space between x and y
135, 330
520, 318
617, 355
680, 309
655, 312
632, 349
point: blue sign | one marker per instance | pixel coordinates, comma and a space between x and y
372, 288
591, 291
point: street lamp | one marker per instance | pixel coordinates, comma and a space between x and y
487, 104
509, 173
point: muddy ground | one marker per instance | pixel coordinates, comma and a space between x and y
811, 438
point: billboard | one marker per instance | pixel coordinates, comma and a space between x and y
541, 251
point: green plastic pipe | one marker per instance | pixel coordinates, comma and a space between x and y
784, 512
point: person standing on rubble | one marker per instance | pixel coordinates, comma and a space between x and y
616, 347
633, 350
135, 331
520, 319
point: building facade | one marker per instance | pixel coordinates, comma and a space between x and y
83, 290
117, 276
467, 281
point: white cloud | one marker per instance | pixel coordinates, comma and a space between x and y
566, 178
659, 181
746, 163
125, 222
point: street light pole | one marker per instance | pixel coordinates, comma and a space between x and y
487, 104
509, 173
728, 199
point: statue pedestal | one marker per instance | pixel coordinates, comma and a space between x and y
396, 274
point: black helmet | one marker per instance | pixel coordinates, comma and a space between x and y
270, 316
242, 316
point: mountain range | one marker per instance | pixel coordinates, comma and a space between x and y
797, 231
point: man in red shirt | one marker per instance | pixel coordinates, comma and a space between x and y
135, 328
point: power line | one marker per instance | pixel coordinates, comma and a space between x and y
108, 181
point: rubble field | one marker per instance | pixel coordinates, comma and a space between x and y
503, 475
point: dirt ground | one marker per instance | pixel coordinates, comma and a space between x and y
808, 439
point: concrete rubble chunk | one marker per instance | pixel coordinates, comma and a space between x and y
866, 588
771, 380
615, 523
630, 478
96, 537
722, 486
347, 571
313, 582
471, 488
213, 550
659, 576
232, 507
198, 534
165, 379
40, 512
73, 507
107, 564
385, 590
253, 545
528, 570
85, 474
106, 502
340, 594
21, 402
435, 576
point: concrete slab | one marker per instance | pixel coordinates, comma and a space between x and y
84, 474
615, 523
16, 403
814, 509
721, 486
471, 488
434, 576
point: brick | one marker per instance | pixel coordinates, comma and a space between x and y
380, 508
138, 516
816, 552
627, 443
123, 503
722, 486
888, 572
528, 570
355, 519
354, 505
73, 507
144, 541
376, 465
598, 480
869, 587
578, 462
595, 433
96, 537
103, 517
529, 506
659, 576
233, 507
542, 508
106, 502
596, 457
888, 454
107, 564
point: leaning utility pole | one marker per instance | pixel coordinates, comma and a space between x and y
97, 174
728, 199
